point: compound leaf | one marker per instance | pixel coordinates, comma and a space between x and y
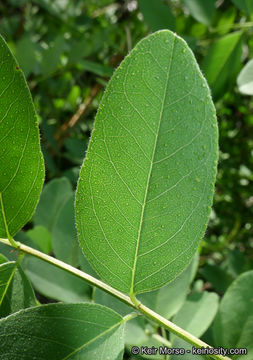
146, 185
21, 162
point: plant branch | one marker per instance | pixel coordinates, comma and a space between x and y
81, 110
119, 295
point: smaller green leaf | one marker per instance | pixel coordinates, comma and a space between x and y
218, 277
139, 333
16, 292
65, 245
103, 298
55, 283
96, 68
75, 149
197, 313
53, 197
233, 325
200, 10
26, 54
63, 331
3, 259
195, 316
245, 5
157, 15
222, 62
245, 79
226, 20
51, 56
41, 236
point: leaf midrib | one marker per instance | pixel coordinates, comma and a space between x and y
95, 338
150, 172
9, 280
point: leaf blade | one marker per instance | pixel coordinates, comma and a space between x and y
123, 194
81, 331
245, 79
15, 290
222, 62
236, 330
22, 167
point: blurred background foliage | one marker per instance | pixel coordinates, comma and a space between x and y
68, 51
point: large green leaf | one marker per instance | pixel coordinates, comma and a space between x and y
60, 331
146, 185
245, 79
233, 325
222, 63
21, 163
157, 14
15, 289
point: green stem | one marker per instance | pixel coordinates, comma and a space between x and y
164, 336
119, 295
233, 26
162, 340
130, 317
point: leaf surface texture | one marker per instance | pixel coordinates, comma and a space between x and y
21, 162
146, 185
61, 332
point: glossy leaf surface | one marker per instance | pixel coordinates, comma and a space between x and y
60, 331
146, 186
21, 163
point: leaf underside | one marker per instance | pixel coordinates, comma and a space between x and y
146, 185
21, 162
63, 331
